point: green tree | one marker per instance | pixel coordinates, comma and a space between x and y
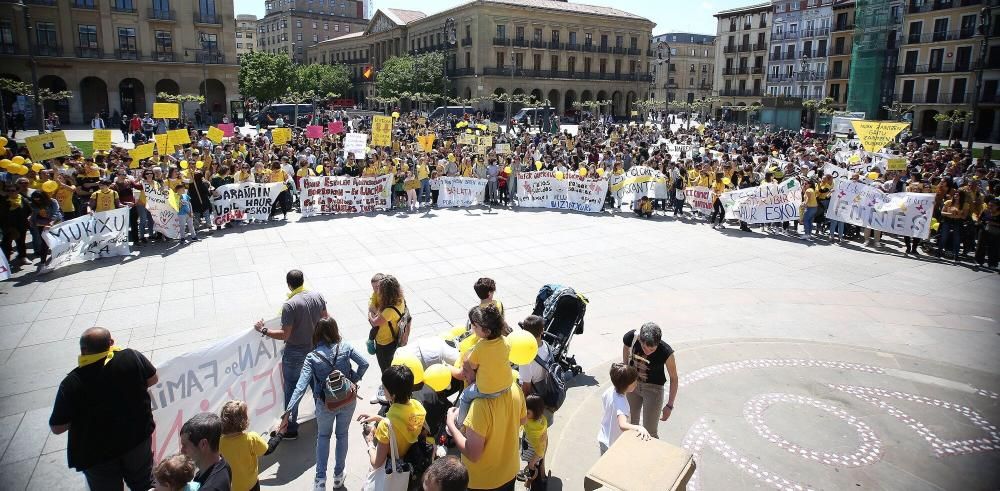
412, 74
326, 81
265, 76
824, 106
954, 118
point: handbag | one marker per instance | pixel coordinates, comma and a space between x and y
338, 390
394, 475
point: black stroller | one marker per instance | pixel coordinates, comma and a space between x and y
562, 309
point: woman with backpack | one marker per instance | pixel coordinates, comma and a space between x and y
327, 370
389, 320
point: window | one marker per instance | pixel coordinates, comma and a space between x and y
588, 39
6, 34
618, 67
915, 31
940, 29
239, 35
87, 36
519, 33
347, 28
603, 66
250, 35
571, 64
500, 58
501, 33
126, 39
554, 62
619, 41
298, 36
210, 42
124, 5
586, 65
315, 25
46, 35
298, 24
604, 40
326, 26
207, 9
537, 61
315, 38
572, 37
161, 5
336, 28
555, 37
164, 42
537, 37
239, 45
468, 59
87, 4
633, 42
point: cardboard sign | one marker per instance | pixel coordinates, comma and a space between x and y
335, 127
227, 129
314, 131
179, 137
381, 131
426, 141
143, 151
102, 140
215, 134
163, 143
875, 135
896, 164
280, 136
166, 110
47, 146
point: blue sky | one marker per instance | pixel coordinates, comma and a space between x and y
669, 15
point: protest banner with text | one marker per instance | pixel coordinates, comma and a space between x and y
244, 201
355, 143
637, 182
325, 195
867, 206
163, 210
461, 191
700, 199
101, 234
875, 135
768, 203
572, 192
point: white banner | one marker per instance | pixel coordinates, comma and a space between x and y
355, 143
572, 192
764, 204
637, 182
102, 234
244, 201
700, 199
839, 173
461, 191
326, 194
164, 214
244, 366
859, 204
4, 267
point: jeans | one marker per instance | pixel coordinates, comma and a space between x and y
647, 398
950, 233
145, 220
870, 232
135, 467
425, 190
187, 225
807, 220
836, 228
988, 247
291, 364
329, 423
468, 395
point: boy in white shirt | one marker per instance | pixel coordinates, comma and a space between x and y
615, 419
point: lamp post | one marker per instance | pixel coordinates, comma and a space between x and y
985, 19
450, 37
513, 66
37, 116
663, 59
204, 71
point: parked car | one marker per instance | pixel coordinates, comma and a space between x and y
268, 115
457, 111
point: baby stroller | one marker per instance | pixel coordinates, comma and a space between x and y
562, 309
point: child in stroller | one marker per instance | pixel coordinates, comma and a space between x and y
562, 309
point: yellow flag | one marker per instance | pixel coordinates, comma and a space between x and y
47, 146
102, 140
215, 134
144, 151
280, 136
875, 135
381, 131
178, 137
166, 110
427, 141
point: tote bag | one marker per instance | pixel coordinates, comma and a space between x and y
398, 479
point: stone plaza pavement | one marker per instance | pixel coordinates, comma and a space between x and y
802, 364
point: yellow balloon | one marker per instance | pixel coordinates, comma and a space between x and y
3, 142
523, 347
873, 175
319, 169
438, 377
582, 172
199, 164
934, 224
559, 175
600, 171
18, 169
37, 167
395, 114
538, 165
50, 186
184, 164
726, 181
17, 159
507, 169
453, 332
412, 363
5, 163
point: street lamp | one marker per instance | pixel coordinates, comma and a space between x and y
663, 58
20, 6
513, 66
204, 72
985, 19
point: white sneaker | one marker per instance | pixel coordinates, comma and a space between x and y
319, 485
338, 481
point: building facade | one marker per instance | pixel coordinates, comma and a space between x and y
741, 49
116, 56
290, 26
798, 57
563, 52
691, 70
939, 56
246, 34
839, 61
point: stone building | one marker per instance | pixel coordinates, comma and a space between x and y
246, 34
741, 49
691, 71
289, 26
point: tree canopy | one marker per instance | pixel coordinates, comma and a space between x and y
412, 74
322, 80
265, 76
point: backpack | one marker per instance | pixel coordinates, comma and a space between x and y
337, 390
402, 334
552, 389
419, 457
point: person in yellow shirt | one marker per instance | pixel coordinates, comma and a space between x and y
384, 319
537, 439
424, 176
405, 414
488, 439
719, 186
812, 206
64, 195
105, 198
486, 366
465, 168
240, 448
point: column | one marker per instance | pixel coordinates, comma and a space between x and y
995, 134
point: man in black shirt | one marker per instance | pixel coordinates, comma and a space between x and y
654, 359
200, 437
104, 404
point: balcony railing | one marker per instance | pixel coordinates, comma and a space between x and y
127, 54
757, 70
48, 50
939, 36
741, 93
200, 18
8, 49
163, 56
913, 7
160, 14
531, 73
837, 74
843, 27
816, 31
538, 44
521, 43
124, 9
84, 4
840, 51
935, 68
501, 41
88, 52
759, 47
462, 72
210, 58
556, 45
47, 3
466, 42
934, 98
810, 76
729, 49
634, 51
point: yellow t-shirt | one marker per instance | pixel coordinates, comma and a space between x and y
104, 200
173, 183
384, 335
64, 195
466, 170
422, 172
534, 430
407, 421
811, 198
91, 171
242, 450
305, 172
492, 358
497, 420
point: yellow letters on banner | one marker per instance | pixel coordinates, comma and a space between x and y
280, 136
381, 131
215, 135
896, 164
102, 140
162, 143
178, 137
144, 151
875, 135
166, 110
47, 146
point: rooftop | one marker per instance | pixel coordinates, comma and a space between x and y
403, 17
739, 10
578, 8
684, 38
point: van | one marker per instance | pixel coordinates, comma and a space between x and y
268, 115
535, 113
456, 111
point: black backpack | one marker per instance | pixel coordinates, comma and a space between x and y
552, 389
419, 457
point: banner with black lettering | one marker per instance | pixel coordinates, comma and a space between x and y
637, 182
101, 234
244, 201
768, 203
700, 199
867, 206
461, 191
325, 195
569, 192
162, 207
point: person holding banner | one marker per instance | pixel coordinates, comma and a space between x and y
811, 206
954, 212
44, 214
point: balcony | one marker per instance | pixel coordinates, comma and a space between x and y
200, 18
757, 70
843, 27
127, 54
8, 49
555, 45
501, 42
88, 52
519, 43
775, 57
466, 42
538, 44
743, 70
841, 51
163, 56
935, 68
124, 8
741, 93
810, 76
729, 71
588, 47
818, 31
931, 6
778, 77
934, 98
758, 47
634, 51
837, 74
210, 58
572, 47
732, 27
729, 49
939, 36
164, 15
603, 49
531, 73
48, 50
